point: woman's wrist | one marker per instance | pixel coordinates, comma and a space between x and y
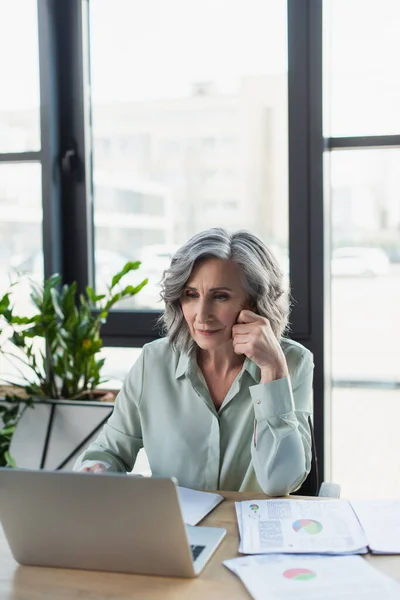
272, 373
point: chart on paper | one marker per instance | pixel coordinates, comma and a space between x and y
299, 526
312, 577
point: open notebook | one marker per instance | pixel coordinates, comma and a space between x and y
196, 505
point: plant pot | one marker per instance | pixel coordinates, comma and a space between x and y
53, 433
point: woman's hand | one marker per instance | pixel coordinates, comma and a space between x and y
253, 336
96, 468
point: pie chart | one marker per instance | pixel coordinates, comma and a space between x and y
308, 525
299, 574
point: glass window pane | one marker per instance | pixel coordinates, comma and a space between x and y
361, 64
365, 425
365, 208
118, 363
20, 221
365, 264
19, 76
189, 113
21, 239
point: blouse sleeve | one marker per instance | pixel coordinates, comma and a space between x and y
281, 444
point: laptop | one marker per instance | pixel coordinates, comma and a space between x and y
107, 522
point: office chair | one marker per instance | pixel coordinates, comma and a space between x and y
311, 486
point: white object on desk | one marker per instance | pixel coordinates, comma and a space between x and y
380, 520
196, 505
309, 576
299, 526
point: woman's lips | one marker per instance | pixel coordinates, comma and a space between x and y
207, 332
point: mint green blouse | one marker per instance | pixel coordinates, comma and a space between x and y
258, 440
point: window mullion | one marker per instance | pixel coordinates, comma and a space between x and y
67, 225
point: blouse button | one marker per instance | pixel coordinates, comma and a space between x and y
258, 402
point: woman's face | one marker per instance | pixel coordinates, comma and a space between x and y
211, 302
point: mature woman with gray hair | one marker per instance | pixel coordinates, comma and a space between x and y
222, 402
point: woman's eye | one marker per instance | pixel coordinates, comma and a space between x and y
190, 294
221, 297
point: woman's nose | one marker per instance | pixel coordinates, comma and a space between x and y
203, 312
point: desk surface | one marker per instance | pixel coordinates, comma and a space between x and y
39, 583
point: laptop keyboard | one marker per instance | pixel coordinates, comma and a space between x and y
196, 551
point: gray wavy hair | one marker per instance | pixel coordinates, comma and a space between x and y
262, 280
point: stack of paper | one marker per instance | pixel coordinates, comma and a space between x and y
310, 577
299, 526
380, 520
196, 505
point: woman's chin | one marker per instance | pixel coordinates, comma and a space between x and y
210, 342
206, 344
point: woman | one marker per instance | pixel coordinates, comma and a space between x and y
222, 402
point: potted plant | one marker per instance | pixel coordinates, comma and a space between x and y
55, 352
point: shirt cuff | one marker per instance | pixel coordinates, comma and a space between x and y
272, 399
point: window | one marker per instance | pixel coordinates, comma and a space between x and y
363, 180
19, 76
20, 167
362, 91
20, 222
210, 120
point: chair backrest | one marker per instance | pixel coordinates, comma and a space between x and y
310, 487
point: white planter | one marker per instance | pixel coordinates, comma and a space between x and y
53, 433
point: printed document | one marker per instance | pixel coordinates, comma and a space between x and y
299, 526
196, 505
380, 520
312, 577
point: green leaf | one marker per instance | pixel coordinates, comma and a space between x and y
111, 303
64, 333
130, 266
56, 302
9, 459
83, 301
7, 315
93, 297
18, 339
4, 303
131, 290
37, 299
90, 294
100, 363
12, 414
97, 344
8, 430
25, 320
68, 299
62, 340
33, 332
52, 282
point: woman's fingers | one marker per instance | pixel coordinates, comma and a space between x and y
241, 348
96, 468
